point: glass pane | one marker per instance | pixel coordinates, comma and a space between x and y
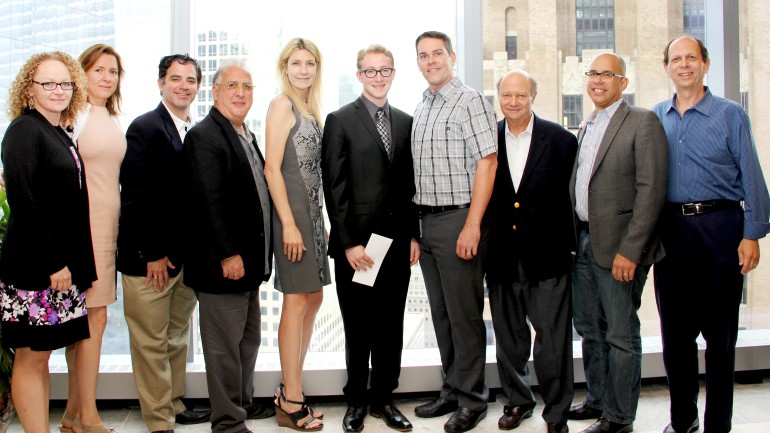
339, 33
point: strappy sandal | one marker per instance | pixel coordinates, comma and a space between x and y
72, 420
292, 420
313, 413
100, 428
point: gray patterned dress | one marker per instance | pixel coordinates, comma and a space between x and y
301, 170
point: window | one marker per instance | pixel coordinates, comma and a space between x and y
595, 24
572, 111
630, 98
694, 18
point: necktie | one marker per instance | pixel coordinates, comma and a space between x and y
383, 132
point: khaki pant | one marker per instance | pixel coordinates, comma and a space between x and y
159, 332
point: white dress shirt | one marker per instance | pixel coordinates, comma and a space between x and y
181, 125
518, 150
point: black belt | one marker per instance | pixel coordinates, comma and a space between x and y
701, 207
438, 209
582, 226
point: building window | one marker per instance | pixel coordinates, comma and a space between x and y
595, 24
572, 111
212, 50
694, 18
511, 47
201, 50
745, 101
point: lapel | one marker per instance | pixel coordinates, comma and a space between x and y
504, 169
170, 127
536, 148
234, 142
368, 122
609, 134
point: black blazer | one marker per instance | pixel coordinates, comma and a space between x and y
225, 213
49, 226
152, 192
365, 191
534, 224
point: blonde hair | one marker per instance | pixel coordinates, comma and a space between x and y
19, 99
89, 57
374, 49
313, 107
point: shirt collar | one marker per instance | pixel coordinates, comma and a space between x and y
527, 130
446, 91
703, 106
372, 108
609, 110
177, 120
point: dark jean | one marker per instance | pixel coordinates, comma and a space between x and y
605, 315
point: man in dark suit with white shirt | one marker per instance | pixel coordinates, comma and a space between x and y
368, 182
530, 256
157, 303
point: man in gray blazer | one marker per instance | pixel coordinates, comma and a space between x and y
618, 188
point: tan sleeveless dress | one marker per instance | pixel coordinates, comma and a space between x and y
102, 146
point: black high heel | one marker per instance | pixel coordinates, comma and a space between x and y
312, 412
292, 419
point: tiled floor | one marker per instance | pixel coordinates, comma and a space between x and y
750, 415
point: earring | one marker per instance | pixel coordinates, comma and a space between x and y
31, 103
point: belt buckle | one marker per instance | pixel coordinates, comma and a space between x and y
690, 209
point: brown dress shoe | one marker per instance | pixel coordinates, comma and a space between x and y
513, 416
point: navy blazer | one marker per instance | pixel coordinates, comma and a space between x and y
152, 183
224, 210
534, 223
366, 192
49, 226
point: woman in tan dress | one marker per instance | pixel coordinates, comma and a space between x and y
102, 145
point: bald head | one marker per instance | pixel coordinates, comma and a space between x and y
522, 73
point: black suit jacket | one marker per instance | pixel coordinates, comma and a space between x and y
534, 223
225, 214
365, 191
49, 226
152, 183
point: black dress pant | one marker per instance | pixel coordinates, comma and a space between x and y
373, 319
516, 302
698, 287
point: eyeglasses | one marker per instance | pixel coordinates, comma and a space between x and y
50, 85
371, 73
607, 75
232, 86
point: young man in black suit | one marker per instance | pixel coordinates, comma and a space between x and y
530, 256
369, 183
157, 303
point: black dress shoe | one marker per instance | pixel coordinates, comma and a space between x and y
258, 410
163, 431
513, 416
193, 416
435, 408
391, 415
582, 411
558, 428
694, 426
464, 419
354, 418
603, 425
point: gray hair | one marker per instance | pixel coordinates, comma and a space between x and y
228, 64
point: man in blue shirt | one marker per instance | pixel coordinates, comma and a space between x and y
717, 207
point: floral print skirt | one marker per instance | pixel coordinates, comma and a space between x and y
42, 320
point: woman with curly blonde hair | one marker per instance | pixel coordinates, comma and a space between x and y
293, 174
47, 260
100, 140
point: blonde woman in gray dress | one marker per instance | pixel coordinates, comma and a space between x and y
293, 173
